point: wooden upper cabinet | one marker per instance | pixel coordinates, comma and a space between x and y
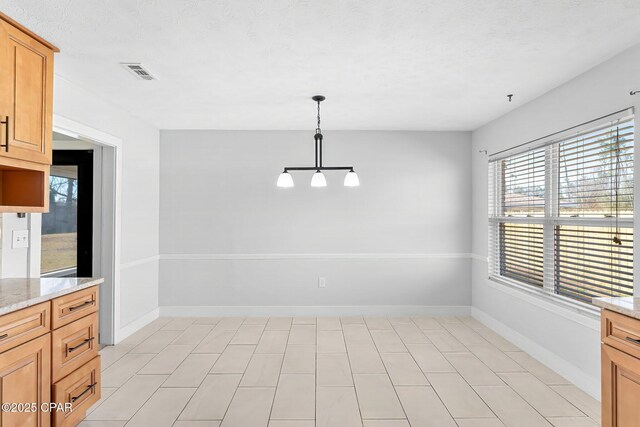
26, 118
27, 88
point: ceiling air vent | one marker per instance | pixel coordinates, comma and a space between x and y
138, 70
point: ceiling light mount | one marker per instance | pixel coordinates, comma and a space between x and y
285, 180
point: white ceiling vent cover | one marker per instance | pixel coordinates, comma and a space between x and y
138, 70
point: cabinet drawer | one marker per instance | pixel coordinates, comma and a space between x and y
68, 308
80, 389
74, 345
24, 325
621, 332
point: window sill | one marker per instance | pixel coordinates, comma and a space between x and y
574, 310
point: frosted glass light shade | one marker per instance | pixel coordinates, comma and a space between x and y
285, 180
351, 179
318, 180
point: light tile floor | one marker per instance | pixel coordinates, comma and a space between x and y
322, 372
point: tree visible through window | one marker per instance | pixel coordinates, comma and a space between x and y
60, 225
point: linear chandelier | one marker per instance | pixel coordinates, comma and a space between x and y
285, 180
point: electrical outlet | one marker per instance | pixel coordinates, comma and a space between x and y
20, 239
322, 282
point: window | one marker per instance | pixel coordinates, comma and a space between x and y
561, 211
67, 229
59, 225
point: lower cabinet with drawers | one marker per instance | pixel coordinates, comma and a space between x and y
49, 362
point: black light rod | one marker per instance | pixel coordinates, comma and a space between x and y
321, 168
316, 152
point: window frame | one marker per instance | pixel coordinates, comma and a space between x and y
551, 218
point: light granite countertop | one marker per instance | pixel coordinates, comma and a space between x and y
20, 293
629, 306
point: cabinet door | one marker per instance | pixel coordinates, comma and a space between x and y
620, 388
25, 379
27, 86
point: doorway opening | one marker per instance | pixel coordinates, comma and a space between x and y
68, 227
79, 236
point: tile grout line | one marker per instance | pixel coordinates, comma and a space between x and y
203, 379
458, 373
385, 366
241, 376
355, 390
273, 400
160, 386
130, 378
425, 375
501, 379
412, 357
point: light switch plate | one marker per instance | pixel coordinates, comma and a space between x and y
20, 239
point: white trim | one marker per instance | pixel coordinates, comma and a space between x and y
137, 324
138, 262
481, 258
80, 131
312, 310
576, 311
588, 316
34, 254
277, 256
584, 381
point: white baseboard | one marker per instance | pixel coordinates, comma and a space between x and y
136, 325
315, 256
582, 380
338, 310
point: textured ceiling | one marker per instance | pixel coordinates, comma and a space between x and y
383, 64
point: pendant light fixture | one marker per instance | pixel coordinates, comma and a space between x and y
318, 180
285, 180
351, 179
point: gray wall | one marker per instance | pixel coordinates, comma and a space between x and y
565, 340
230, 237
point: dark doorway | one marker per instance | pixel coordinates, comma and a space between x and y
67, 230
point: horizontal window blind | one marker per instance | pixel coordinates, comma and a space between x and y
524, 182
561, 213
521, 252
596, 173
590, 264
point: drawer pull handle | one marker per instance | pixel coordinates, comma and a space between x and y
3, 336
633, 340
89, 387
88, 340
75, 307
6, 134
